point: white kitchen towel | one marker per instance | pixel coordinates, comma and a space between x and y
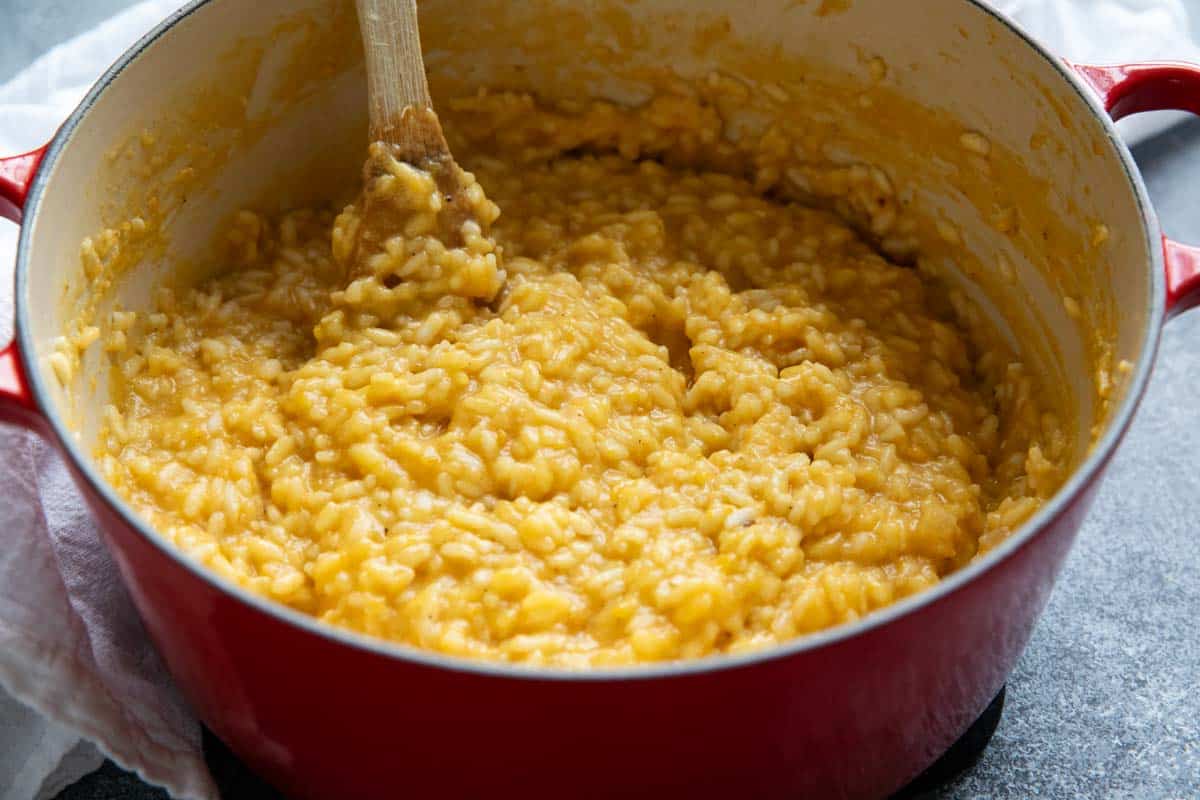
1112, 32
78, 679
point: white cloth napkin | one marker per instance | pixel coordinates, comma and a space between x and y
78, 679
1112, 32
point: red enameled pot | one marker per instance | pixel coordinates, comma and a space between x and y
853, 712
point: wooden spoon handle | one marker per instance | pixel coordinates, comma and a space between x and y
400, 107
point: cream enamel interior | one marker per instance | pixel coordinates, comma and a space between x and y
301, 114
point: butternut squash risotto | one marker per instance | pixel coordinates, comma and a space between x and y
651, 411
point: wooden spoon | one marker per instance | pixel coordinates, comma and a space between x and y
403, 119
401, 110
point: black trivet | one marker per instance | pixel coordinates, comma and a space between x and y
961, 756
233, 779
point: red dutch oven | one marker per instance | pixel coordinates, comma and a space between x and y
853, 712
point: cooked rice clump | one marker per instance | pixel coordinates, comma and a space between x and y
648, 413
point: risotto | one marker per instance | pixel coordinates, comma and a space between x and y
651, 411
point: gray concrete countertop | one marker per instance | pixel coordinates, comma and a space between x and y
1105, 702
32, 28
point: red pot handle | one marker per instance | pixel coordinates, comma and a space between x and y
16, 400
1155, 86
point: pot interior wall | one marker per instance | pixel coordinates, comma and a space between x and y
262, 106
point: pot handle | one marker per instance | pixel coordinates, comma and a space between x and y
1126, 89
16, 399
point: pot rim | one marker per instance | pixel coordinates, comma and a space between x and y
1086, 474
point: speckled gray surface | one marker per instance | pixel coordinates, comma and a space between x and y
30, 27
1106, 701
